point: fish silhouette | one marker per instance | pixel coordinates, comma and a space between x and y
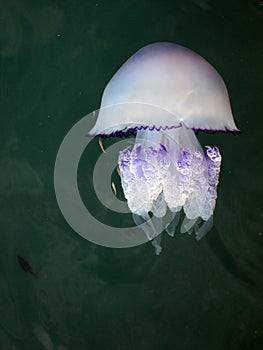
25, 265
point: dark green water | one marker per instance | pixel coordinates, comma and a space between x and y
55, 60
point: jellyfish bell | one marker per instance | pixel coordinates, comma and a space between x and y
169, 78
163, 93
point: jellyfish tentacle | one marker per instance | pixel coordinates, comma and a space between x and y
213, 158
156, 242
152, 231
187, 225
171, 227
204, 228
145, 222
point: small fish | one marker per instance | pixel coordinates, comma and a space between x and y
114, 188
101, 146
25, 265
118, 171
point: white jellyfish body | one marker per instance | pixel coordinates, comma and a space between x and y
164, 92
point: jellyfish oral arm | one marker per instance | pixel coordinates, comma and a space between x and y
169, 171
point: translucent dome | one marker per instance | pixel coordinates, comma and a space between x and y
164, 85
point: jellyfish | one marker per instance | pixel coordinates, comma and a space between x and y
163, 94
